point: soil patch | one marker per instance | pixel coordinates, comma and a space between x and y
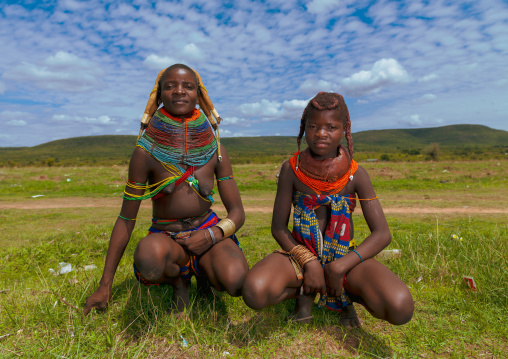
81, 202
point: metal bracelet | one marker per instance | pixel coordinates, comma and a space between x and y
228, 227
211, 235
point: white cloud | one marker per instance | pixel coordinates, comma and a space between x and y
428, 78
62, 72
234, 121
16, 118
273, 110
417, 121
295, 105
426, 98
156, 62
72, 5
264, 108
19, 123
311, 87
3, 88
101, 120
383, 73
322, 6
192, 52
414, 120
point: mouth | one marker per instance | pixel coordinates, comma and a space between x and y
179, 101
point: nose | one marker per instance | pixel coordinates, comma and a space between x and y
321, 133
179, 89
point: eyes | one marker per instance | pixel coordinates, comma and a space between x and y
172, 85
328, 127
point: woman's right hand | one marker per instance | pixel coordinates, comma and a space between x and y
99, 300
194, 242
314, 278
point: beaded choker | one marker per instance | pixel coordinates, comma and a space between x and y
172, 140
330, 175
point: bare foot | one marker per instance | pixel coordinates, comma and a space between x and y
181, 300
349, 319
204, 287
303, 306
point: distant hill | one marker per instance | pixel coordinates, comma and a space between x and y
446, 136
458, 139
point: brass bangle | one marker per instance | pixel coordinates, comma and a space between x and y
302, 255
228, 227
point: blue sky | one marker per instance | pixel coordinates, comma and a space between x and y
78, 68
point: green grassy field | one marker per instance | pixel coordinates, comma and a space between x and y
448, 218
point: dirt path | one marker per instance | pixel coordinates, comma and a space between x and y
81, 202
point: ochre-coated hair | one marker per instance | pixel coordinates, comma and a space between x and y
325, 101
175, 66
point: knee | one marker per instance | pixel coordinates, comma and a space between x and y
402, 308
149, 259
233, 281
254, 291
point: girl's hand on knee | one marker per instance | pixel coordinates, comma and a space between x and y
334, 279
195, 242
314, 278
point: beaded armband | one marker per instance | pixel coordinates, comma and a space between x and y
127, 219
228, 227
225, 178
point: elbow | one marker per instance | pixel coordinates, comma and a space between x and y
237, 215
241, 218
388, 238
275, 232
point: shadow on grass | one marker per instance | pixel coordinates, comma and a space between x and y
323, 336
219, 323
148, 309
361, 341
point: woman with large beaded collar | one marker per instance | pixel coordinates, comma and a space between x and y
176, 160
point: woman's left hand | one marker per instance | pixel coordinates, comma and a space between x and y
334, 277
194, 242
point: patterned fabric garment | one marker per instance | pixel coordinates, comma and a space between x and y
335, 242
191, 268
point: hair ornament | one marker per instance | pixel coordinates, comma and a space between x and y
204, 102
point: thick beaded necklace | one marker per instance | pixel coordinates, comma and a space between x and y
172, 140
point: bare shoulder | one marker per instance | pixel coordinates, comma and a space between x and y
286, 175
139, 164
361, 173
362, 184
222, 155
285, 169
222, 161
139, 154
